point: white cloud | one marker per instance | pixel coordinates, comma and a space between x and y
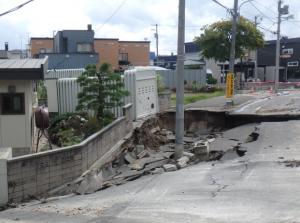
132, 22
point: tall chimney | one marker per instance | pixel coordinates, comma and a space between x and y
89, 27
6, 46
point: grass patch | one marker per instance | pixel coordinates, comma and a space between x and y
198, 97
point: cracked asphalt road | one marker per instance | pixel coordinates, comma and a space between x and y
257, 187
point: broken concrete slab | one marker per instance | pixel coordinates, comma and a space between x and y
221, 144
140, 163
191, 139
188, 155
157, 171
229, 155
139, 149
201, 148
142, 154
91, 183
155, 130
166, 132
156, 164
182, 162
169, 167
166, 149
240, 133
170, 137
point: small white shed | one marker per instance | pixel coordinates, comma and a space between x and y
18, 100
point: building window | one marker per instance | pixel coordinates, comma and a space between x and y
293, 64
46, 50
12, 103
287, 51
123, 56
84, 47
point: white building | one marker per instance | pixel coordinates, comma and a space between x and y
18, 95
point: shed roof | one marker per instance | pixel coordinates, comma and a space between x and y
23, 69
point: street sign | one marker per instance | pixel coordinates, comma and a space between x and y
230, 86
286, 56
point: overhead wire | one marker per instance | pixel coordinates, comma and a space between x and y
15, 8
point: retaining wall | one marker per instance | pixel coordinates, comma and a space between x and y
41, 172
164, 101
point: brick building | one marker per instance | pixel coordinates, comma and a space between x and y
82, 48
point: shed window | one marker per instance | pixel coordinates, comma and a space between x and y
12, 103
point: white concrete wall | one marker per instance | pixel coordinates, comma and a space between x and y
16, 131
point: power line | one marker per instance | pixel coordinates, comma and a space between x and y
260, 11
220, 4
16, 8
265, 7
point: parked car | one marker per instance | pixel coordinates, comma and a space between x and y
252, 79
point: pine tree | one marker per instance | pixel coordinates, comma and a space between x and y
101, 90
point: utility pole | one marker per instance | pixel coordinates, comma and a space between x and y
256, 60
179, 127
281, 11
233, 34
235, 16
278, 48
156, 36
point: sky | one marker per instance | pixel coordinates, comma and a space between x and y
132, 20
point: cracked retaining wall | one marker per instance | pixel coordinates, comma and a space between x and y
39, 173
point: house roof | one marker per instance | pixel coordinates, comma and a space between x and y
190, 47
291, 40
23, 69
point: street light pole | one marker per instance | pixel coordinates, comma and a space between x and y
179, 126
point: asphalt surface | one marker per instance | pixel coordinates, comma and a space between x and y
272, 105
219, 102
261, 186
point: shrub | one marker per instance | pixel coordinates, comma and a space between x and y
187, 87
173, 89
104, 121
78, 140
57, 119
94, 125
202, 88
211, 80
214, 89
44, 149
160, 84
185, 82
195, 86
108, 114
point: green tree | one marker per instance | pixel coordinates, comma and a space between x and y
193, 66
215, 42
98, 87
42, 90
211, 81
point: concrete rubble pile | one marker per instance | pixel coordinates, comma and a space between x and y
138, 160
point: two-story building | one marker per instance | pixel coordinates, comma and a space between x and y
289, 69
71, 49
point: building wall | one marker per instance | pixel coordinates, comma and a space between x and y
73, 61
138, 52
38, 43
108, 51
77, 36
16, 129
39, 173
